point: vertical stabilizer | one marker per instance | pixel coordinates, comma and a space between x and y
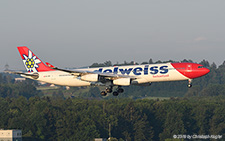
31, 62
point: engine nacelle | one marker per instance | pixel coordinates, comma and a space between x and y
140, 81
122, 81
90, 77
35, 76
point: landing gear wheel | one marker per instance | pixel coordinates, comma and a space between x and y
115, 93
103, 93
108, 90
120, 90
189, 85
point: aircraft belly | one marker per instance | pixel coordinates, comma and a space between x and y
63, 79
71, 81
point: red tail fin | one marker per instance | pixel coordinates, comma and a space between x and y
31, 61
49, 65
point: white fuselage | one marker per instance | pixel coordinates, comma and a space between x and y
143, 73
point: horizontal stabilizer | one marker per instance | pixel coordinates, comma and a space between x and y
33, 75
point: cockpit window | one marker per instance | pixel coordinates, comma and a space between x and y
200, 67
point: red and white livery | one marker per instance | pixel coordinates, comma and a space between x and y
109, 76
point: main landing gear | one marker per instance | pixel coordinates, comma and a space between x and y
109, 90
189, 83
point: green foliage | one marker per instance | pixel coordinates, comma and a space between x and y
18, 89
81, 119
201, 112
107, 63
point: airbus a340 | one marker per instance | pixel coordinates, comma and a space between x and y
109, 76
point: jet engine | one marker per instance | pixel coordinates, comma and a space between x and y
122, 81
90, 77
35, 76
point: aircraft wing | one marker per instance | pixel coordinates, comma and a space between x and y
112, 76
77, 72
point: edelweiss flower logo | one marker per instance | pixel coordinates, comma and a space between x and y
31, 62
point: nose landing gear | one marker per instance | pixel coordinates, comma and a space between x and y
189, 83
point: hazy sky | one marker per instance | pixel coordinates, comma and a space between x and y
72, 33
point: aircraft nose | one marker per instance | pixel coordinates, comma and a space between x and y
205, 71
200, 72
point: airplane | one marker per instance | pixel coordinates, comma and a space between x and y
115, 76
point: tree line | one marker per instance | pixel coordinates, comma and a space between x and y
124, 119
199, 110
